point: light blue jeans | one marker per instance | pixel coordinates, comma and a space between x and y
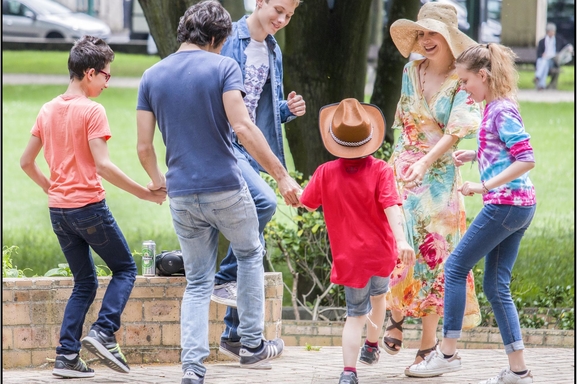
495, 234
265, 202
197, 220
542, 68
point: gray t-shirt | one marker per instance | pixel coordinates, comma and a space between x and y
184, 91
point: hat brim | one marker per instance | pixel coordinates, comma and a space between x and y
377, 122
405, 32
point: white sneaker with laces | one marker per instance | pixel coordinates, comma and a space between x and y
434, 365
508, 377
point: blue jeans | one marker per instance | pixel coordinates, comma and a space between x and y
78, 230
494, 234
265, 201
197, 220
359, 299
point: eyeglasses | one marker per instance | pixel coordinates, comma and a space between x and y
107, 75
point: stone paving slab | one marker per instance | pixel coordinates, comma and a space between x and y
299, 366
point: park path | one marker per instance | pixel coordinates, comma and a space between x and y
545, 96
298, 365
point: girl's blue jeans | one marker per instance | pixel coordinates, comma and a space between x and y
494, 234
78, 230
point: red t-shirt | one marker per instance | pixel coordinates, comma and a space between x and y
354, 194
65, 125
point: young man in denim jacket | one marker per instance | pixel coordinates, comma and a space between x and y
254, 48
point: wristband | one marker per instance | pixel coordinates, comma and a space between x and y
485, 190
474, 157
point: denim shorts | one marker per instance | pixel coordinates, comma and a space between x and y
359, 299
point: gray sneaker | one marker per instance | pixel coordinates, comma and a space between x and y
271, 349
106, 349
71, 368
232, 350
225, 294
191, 378
369, 355
348, 377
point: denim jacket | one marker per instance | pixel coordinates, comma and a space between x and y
272, 110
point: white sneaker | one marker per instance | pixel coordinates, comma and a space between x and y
434, 365
508, 377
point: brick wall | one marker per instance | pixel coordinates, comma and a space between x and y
32, 310
325, 333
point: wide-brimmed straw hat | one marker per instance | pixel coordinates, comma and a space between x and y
436, 17
351, 129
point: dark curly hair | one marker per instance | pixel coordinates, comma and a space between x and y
204, 23
88, 52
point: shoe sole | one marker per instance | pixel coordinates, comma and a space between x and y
220, 300
67, 373
106, 358
431, 373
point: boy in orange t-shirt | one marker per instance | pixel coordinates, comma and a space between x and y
73, 131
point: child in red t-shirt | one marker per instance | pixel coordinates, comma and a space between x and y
364, 222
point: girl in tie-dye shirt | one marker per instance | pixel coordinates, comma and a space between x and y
505, 156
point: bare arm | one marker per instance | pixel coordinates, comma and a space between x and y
513, 171
111, 173
395, 218
146, 124
255, 143
417, 171
29, 166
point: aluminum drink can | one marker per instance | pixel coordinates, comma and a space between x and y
148, 258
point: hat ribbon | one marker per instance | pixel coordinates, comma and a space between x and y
348, 143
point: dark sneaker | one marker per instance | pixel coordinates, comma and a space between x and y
271, 349
107, 350
232, 350
348, 377
191, 378
71, 368
369, 355
225, 294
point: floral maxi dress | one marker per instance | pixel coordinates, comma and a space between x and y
434, 211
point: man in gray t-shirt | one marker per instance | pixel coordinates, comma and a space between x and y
194, 94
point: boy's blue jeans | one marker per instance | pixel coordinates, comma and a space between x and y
495, 234
78, 230
265, 202
198, 219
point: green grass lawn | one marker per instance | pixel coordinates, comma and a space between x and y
56, 63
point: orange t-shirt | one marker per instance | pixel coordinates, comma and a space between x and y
65, 125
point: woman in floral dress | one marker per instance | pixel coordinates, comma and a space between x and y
434, 114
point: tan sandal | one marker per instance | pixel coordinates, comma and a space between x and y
393, 350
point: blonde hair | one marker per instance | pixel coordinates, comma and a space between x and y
498, 61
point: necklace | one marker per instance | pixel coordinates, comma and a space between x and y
423, 77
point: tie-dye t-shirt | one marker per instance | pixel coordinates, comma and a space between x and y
502, 141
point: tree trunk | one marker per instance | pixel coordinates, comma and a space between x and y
387, 87
235, 8
163, 17
325, 59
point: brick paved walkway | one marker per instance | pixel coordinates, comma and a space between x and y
297, 365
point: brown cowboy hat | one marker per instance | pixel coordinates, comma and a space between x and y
351, 129
436, 17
